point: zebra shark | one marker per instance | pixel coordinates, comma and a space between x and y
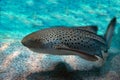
81, 40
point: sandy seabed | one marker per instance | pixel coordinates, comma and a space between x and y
19, 63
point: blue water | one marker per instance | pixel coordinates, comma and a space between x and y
21, 17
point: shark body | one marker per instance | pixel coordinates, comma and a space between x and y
82, 41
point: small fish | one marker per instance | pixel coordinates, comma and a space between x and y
82, 41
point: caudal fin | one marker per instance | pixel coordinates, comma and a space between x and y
110, 31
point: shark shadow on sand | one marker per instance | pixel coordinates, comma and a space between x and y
61, 72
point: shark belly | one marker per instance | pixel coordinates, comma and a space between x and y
54, 51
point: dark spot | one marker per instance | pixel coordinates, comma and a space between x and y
60, 38
81, 40
78, 43
67, 43
56, 39
74, 39
65, 40
75, 43
48, 40
90, 44
77, 38
59, 35
81, 44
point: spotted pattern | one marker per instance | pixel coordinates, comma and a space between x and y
73, 38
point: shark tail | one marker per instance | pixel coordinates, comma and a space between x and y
110, 31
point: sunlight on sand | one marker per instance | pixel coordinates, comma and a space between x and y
5, 46
33, 63
7, 61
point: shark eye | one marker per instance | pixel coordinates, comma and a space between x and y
37, 40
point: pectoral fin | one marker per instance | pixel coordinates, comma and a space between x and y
88, 56
84, 55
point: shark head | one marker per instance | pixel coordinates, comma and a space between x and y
32, 41
39, 42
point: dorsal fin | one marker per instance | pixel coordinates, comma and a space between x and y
93, 29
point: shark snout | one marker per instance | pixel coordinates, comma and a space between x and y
28, 43
25, 42
31, 42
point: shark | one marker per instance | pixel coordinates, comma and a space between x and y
82, 41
